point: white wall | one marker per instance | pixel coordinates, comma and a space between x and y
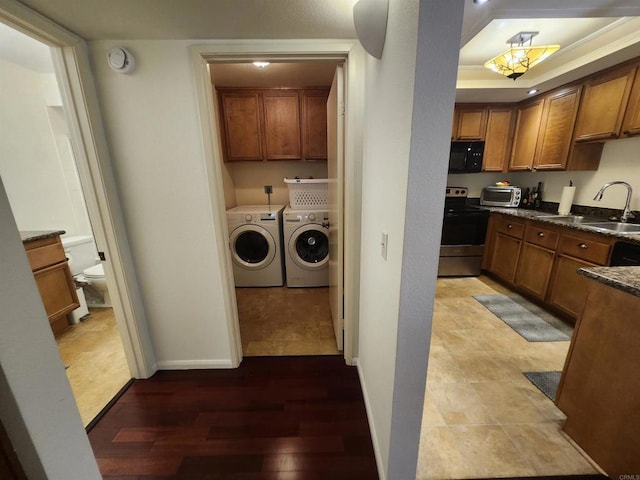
396, 304
37, 406
151, 123
36, 160
619, 161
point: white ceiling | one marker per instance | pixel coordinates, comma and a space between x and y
593, 34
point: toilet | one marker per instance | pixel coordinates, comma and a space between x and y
86, 269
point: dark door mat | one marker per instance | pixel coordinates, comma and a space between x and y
546, 382
528, 325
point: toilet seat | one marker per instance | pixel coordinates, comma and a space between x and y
97, 271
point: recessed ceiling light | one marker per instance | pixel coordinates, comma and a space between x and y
480, 2
532, 91
261, 64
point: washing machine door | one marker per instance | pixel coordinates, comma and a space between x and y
309, 246
252, 247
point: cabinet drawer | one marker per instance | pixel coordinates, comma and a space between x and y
43, 255
542, 237
585, 249
510, 227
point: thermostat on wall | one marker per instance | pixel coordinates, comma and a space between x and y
121, 60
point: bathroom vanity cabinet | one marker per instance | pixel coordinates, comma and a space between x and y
53, 276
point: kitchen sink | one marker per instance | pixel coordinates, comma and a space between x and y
615, 227
574, 219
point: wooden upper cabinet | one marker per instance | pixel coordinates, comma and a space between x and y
470, 123
497, 146
604, 103
631, 123
556, 129
241, 113
526, 135
282, 125
314, 124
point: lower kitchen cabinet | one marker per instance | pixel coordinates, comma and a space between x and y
569, 290
541, 260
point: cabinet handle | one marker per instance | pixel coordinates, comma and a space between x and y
541, 234
509, 226
584, 246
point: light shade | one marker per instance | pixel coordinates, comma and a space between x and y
517, 60
370, 21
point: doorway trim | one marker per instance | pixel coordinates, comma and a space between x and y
73, 72
342, 51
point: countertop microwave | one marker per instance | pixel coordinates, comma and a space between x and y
466, 157
494, 196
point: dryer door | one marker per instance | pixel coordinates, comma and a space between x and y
252, 247
309, 246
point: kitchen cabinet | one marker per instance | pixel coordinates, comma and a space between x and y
536, 260
631, 122
528, 120
498, 136
470, 123
604, 103
505, 247
556, 129
314, 124
53, 278
598, 390
568, 290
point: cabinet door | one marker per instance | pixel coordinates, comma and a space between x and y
556, 131
472, 123
568, 290
58, 294
534, 269
314, 124
526, 135
497, 144
504, 258
281, 126
242, 127
605, 100
631, 124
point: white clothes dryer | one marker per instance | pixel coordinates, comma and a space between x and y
306, 246
255, 240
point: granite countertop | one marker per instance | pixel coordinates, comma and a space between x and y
626, 279
541, 216
33, 235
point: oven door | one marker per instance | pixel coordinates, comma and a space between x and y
462, 244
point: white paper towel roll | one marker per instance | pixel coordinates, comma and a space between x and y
566, 200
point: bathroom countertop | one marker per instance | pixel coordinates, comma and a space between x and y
626, 279
33, 235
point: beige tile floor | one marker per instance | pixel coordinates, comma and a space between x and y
94, 354
285, 321
482, 418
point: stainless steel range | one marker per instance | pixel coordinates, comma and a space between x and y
464, 229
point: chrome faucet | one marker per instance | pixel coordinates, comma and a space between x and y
626, 213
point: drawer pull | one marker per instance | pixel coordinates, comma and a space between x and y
584, 246
541, 234
509, 226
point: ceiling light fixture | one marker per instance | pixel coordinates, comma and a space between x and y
480, 2
261, 64
517, 60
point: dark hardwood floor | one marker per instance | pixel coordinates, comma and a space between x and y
272, 418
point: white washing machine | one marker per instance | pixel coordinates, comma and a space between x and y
255, 240
306, 247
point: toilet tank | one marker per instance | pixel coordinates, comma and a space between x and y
81, 251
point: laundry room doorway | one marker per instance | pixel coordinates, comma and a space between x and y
250, 173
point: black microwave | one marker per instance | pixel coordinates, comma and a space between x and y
466, 157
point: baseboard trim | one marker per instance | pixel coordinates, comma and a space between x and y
194, 364
382, 474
